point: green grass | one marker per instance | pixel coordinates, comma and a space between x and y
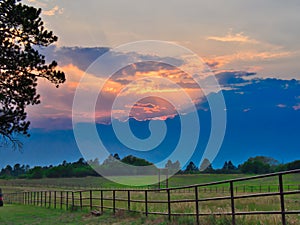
30, 215
39, 215
175, 181
17, 214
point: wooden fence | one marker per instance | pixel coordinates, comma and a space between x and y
169, 201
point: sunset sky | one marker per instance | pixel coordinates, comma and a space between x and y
259, 37
243, 43
253, 35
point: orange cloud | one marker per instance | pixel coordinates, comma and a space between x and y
54, 11
154, 108
219, 61
238, 37
57, 103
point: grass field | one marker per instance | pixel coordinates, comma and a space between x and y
30, 215
175, 181
13, 214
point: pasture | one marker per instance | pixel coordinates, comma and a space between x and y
214, 201
11, 185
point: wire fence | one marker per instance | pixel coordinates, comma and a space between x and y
171, 202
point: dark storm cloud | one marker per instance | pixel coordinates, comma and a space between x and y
229, 78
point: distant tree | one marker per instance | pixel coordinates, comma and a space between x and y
27, 168
258, 165
225, 166
64, 163
266, 160
135, 161
36, 172
173, 167
191, 168
7, 171
231, 166
116, 156
109, 162
206, 166
18, 170
205, 163
293, 165
228, 167
94, 163
80, 162
21, 33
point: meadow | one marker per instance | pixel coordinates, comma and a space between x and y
10, 185
81, 211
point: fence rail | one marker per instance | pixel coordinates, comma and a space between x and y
169, 201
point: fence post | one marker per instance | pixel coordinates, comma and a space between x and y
61, 199
41, 198
167, 179
114, 201
197, 205
146, 202
50, 199
72, 200
232, 202
281, 191
45, 199
80, 199
169, 204
128, 198
91, 199
34, 198
24, 198
67, 200
101, 201
54, 199
38, 198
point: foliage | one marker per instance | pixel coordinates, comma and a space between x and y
22, 32
173, 167
80, 168
135, 161
191, 168
259, 165
289, 166
206, 166
115, 166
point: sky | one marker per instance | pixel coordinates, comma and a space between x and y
251, 48
256, 35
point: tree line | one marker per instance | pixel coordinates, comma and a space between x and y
82, 168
